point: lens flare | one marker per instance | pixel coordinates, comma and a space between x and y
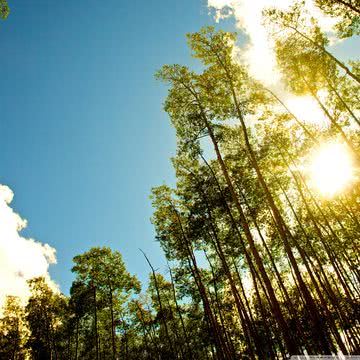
331, 169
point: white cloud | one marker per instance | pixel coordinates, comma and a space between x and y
258, 53
20, 258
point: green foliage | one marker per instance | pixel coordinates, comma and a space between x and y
4, 9
100, 292
44, 315
349, 13
261, 264
12, 330
104, 269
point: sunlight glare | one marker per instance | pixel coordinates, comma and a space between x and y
307, 110
331, 169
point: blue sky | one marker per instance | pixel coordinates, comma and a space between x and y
83, 134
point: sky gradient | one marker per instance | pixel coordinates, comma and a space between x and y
83, 134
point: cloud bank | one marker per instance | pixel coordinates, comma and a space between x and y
20, 258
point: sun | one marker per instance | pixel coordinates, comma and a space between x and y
331, 169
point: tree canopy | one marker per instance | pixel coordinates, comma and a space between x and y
261, 233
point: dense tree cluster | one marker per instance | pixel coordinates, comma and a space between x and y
261, 264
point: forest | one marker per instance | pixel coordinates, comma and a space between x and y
261, 239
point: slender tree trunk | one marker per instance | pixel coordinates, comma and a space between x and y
188, 344
219, 311
272, 298
276, 307
113, 342
160, 304
77, 338
306, 130
282, 228
96, 327
332, 119
222, 350
243, 316
145, 329
349, 5
342, 101
331, 56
